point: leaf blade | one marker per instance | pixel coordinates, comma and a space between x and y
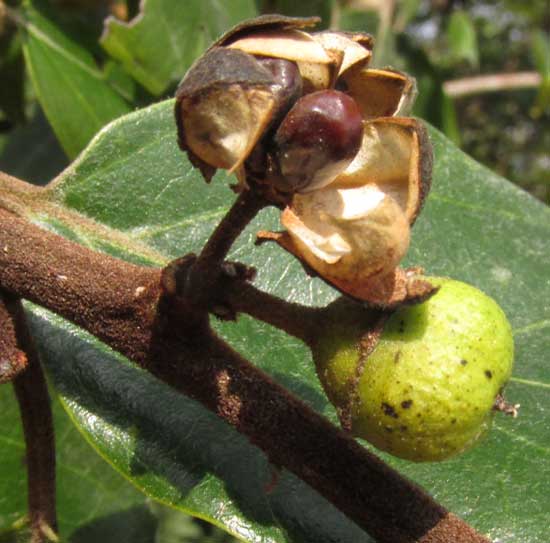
462, 38
73, 92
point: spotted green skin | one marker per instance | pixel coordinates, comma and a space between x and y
427, 390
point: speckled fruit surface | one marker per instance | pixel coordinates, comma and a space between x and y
426, 392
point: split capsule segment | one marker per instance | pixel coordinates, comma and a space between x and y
300, 117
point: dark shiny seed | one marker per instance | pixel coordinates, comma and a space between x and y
287, 86
317, 140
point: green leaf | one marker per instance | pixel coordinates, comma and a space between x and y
476, 227
540, 47
158, 46
89, 494
74, 93
462, 38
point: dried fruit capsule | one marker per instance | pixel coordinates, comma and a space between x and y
427, 391
286, 89
262, 103
318, 139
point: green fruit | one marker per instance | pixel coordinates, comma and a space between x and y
427, 390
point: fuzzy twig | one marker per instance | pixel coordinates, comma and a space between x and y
205, 271
34, 405
12, 359
295, 319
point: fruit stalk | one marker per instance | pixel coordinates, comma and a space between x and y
297, 320
205, 271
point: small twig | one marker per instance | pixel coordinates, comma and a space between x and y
295, 319
335, 16
385, 9
12, 359
205, 271
243, 210
34, 404
457, 88
11, 14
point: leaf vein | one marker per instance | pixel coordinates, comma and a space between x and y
493, 211
529, 382
521, 439
149, 232
71, 173
538, 325
46, 40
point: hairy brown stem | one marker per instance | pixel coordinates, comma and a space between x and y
124, 305
205, 271
12, 359
34, 405
297, 320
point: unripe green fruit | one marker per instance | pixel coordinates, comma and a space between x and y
427, 390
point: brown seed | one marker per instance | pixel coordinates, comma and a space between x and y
318, 139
